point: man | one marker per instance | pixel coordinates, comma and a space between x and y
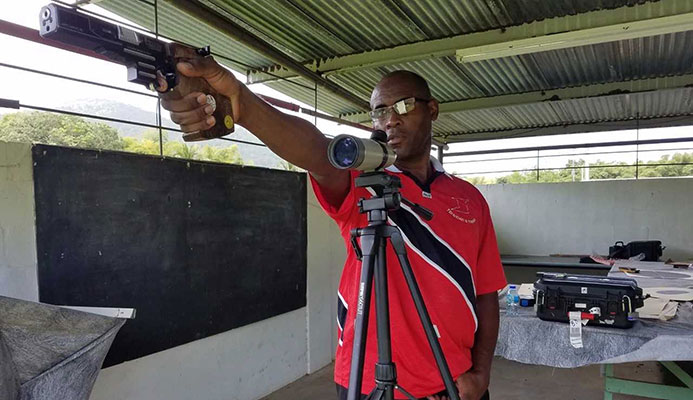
454, 256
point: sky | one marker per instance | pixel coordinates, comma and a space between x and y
37, 90
34, 89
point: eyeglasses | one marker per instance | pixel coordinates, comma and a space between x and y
400, 108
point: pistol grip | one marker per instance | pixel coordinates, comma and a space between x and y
223, 114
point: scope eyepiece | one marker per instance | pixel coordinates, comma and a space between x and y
351, 152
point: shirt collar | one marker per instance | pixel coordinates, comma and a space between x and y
434, 162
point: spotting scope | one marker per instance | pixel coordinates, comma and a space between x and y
351, 152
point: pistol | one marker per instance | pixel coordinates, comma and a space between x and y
143, 56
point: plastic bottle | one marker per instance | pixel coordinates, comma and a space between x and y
513, 301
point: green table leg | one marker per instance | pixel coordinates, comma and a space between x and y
607, 372
644, 389
679, 373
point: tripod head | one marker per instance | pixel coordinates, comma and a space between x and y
387, 196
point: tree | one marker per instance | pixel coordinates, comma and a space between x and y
229, 155
680, 164
73, 131
285, 165
58, 129
611, 170
479, 180
153, 134
181, 150
671, 169
141, 146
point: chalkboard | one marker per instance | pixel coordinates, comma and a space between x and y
197, 248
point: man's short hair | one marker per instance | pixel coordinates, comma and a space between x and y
421, 85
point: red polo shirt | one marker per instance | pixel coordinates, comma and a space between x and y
454, 257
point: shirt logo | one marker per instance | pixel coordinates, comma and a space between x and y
461, 211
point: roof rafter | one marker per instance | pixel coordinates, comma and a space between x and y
225, 25
653, 18
660, 122
602, 89
583, 37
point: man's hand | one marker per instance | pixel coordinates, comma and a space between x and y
471, 386
191, 111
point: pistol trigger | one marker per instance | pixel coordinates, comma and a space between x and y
203, 51
171, 80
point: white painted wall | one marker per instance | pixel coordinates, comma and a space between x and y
242, 364
18, 276
586, 217
326, 255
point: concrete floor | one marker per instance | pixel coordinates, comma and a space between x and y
509, 381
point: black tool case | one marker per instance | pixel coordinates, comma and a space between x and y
652, 249
602, 301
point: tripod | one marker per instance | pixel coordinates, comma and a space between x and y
373, 256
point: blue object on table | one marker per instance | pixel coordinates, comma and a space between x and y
512, 301
526, 302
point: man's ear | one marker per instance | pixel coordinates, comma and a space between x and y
433, 109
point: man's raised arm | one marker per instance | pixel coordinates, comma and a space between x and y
291, 138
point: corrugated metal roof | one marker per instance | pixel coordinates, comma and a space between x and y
621, 107
357, 25
625, 60
312, 29
172, 23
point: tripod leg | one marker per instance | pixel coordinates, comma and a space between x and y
400, 250
385, 373
369, 243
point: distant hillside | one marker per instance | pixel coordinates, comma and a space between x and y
117, 110
256, 155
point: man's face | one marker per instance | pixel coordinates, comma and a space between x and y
409, 134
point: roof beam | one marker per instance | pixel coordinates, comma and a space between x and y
610, 19
603, 89
664, 122
620, 143
225, 25
23, 32
583, 37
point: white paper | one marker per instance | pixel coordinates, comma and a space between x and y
661, 309
670, 293
526, 289
575, 329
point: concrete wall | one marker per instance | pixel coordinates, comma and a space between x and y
581, 218
326, 255
245, 363
240, 364
17, 223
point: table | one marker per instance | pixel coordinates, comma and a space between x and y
523, 268
527, 339
516, 260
